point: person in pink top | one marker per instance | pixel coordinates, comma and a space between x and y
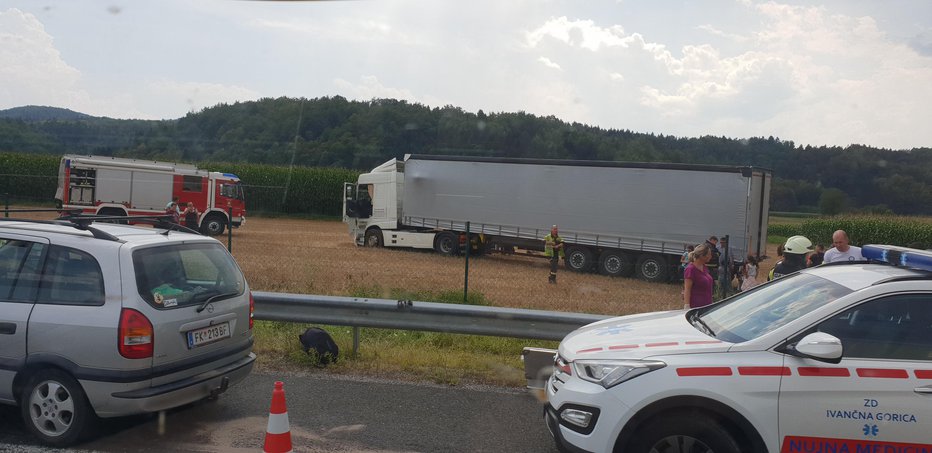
697, 282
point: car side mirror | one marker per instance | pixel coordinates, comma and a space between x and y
820, 346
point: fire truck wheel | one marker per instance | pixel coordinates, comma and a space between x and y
214, 225
684, 432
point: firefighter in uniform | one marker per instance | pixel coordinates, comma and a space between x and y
794, 257
553, 249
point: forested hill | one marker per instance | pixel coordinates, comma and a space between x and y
340, 133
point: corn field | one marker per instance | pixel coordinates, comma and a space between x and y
903, 231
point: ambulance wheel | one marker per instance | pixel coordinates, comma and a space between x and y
374, 237
653, 268
692, 432
55, 408
616, 263
447, 243
578, 258
214, 225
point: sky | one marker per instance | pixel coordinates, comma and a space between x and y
829, 72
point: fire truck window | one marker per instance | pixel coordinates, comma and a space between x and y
191, 184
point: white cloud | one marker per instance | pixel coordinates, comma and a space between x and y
550, 64
33, 71
578, 33
193, 95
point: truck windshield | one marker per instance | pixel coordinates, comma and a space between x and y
768, 307
232, 190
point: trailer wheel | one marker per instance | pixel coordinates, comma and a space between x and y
616, 263
214, 224
653, 268
447, 243
374, 237
578, 258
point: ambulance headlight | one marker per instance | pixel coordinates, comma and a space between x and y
608, 373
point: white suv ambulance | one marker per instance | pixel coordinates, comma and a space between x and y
836, 358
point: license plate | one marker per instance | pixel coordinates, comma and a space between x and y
208, 335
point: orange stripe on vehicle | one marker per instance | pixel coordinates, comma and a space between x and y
704, 371
883, 373
657, 345
764, 371
815, 371
923, 374
622, 346
704, 342
583, 351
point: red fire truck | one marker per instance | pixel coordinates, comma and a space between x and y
119, 187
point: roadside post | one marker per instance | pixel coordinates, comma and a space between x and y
466, 278
6, 204
230, 227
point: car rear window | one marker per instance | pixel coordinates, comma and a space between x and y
186, 274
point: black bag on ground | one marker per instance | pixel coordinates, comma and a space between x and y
320, 341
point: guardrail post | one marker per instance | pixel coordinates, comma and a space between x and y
230, 228
355, 342
466, 278
6, 204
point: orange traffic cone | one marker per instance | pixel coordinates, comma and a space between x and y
278, 434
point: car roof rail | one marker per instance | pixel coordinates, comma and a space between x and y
163, 221
94, 231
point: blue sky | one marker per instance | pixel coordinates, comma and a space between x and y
827, 72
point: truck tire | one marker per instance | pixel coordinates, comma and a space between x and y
447, 243
214, 224
578, 258
653, 268
616, 263
670, 433
55, 409
374, 237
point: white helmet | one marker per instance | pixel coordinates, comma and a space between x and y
797, 245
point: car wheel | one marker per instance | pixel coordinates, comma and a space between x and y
214, 225
55, 408
684, 433
374, 237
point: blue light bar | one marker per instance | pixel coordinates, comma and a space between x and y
898, 256
230, 175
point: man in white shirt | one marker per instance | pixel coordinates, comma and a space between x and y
841, 250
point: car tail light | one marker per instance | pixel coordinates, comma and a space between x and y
136, 335
252, 309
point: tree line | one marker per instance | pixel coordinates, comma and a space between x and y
358, 135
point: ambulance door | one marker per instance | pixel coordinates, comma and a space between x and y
879, 396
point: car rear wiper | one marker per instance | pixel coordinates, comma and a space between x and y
697, 320
213, 298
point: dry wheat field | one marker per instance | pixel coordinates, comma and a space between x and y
319, 257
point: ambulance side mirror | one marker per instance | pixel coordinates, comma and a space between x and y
820, 346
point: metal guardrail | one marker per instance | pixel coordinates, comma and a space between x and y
422, 316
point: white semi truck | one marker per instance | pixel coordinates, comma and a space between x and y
617, 218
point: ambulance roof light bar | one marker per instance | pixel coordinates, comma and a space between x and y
898, 256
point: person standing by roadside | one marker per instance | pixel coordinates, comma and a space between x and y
697, 282
712, 244
684, 260
190, 216
817, 257
842, 251
749, 272
553, 248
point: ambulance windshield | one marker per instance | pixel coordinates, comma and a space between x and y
755, 313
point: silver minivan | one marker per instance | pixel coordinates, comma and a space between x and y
107, 320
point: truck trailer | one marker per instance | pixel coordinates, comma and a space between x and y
617, 218
113, 186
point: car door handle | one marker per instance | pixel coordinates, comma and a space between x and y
923, 390
7, 328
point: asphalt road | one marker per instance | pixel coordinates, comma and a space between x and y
327, 413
